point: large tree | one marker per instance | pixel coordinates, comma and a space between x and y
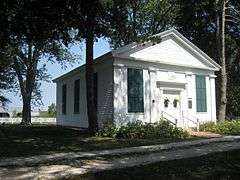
212, 26
136, 20
221, 55
90, 19
32, 31
120, 21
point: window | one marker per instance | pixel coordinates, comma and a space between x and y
135, 90
190, 104
95, 89
76, 95
201, 93
64, 98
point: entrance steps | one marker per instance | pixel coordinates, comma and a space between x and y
203, 134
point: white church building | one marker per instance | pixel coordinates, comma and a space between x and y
172, 79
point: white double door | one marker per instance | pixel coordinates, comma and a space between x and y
171, 104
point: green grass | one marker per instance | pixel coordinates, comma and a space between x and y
224, 165
16, 141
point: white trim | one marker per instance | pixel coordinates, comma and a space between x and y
179, 37
133, 46
212, 76
189, 44
171, 82
171, 64
171, 89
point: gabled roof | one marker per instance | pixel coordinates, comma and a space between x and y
98, 60
133, 48
126, 51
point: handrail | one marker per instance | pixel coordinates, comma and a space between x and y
195, 122
195, 117
169, 121
190, 119
176, 120
169, 115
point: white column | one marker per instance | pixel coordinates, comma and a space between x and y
147, 94
120, 94
209, 99
153, 96
213, 97
189, 88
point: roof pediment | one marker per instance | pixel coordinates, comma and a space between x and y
174, 49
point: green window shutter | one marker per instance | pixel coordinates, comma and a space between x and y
64, 99
95, 83
76, 95
135, 90
201, 96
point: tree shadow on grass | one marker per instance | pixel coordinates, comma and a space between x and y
224, 165
16, 141
22, 141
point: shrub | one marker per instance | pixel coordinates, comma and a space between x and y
207, 126
225, 127
140, 130
133, 130
108, 130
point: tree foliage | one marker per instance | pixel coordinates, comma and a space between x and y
7, 80
52, 111
201, 22
137, 20
32, 31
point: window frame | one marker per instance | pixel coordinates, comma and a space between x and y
201, 89
134, 110
64, 99
95, 86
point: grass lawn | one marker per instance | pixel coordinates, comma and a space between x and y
224, 165
16, 141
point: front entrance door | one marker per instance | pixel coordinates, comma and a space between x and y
171, 105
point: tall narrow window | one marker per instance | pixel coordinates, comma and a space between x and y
135, 90
76, 95
201, 93
64, 99
96, 89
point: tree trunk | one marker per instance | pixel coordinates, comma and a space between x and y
91, 110
27, 84
222, 58
26, 112
217, 55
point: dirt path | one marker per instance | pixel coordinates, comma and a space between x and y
41, 159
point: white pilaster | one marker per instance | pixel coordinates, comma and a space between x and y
213, 97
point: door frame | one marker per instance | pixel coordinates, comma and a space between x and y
178, 92
181, 103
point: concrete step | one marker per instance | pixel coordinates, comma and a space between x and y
204, 134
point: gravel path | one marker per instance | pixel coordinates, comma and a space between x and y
80, 166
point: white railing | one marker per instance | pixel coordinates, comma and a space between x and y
194, 120
34, 120
163, 116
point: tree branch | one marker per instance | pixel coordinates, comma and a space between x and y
19, 76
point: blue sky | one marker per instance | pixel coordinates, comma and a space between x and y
55, 70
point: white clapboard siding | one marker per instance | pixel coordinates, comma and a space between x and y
105, 100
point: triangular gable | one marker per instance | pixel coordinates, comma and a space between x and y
174, 49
